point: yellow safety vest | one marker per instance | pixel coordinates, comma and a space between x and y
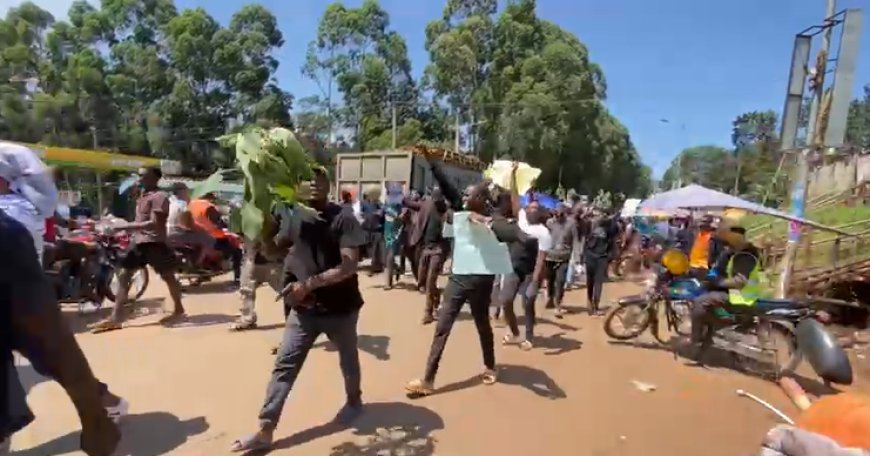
750, 292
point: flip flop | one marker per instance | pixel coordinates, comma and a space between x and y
105, 326
249, 443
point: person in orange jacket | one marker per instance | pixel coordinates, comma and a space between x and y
207, 217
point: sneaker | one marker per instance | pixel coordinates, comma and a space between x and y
118, 411
559, 313
526, 345
489, 377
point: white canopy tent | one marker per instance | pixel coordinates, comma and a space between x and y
698, 197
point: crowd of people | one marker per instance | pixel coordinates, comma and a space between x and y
497, 251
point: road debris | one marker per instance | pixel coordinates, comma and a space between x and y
794, 392
645, 387
773, 409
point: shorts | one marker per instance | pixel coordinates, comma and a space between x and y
158, 255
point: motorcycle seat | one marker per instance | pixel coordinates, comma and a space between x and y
767, 304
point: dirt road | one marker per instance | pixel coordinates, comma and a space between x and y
196, 387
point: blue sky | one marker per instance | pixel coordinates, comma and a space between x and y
697, 63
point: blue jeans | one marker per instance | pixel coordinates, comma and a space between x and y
300, 332
512, 285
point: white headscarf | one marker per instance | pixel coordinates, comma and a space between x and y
34, 197
29, 177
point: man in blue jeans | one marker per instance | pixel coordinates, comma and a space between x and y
323, 297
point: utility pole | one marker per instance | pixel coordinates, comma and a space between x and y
456, 131
99, 177
814, 139
395, 125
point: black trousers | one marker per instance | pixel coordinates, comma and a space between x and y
596, 275
557, 272
476, 290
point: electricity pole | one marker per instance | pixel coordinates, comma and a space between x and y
814, 141
395, 126
456, 131
99, 177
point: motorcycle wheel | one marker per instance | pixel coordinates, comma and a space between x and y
138, 285
637, 311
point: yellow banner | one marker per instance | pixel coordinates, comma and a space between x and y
102, 160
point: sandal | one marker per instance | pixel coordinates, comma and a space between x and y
243, 325
416, 389
253, 442
105, 326
488, 377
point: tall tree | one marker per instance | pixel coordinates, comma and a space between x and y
369, 64
138, 76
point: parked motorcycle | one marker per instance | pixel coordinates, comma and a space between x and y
93, 277
770, 337
198, 266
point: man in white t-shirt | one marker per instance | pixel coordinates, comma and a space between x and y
534, 225
532, 220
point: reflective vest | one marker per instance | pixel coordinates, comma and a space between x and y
750, 292
199, 209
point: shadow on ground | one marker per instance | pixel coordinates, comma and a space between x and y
148, 434
386, 428
209, 287
377, 346
530, 378
557, 344
78, 323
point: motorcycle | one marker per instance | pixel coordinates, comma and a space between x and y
773, 334
197, 266
93, 277
665, 296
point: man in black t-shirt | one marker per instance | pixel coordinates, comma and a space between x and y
322, 293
